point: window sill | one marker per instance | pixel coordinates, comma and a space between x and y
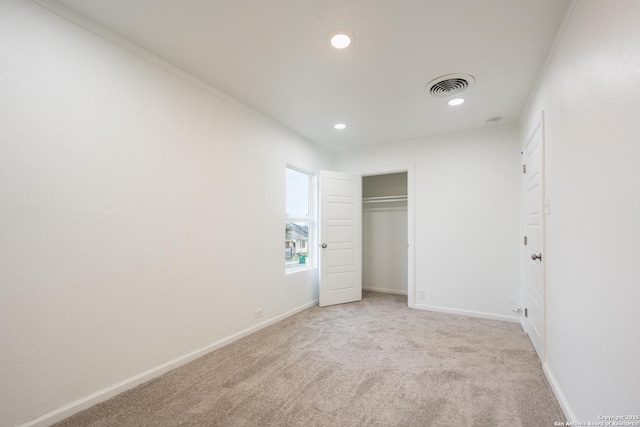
292, 270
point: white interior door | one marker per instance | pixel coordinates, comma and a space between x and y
534, 259
340, 238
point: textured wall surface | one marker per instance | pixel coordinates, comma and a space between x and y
141, 216
467, 207
590, 95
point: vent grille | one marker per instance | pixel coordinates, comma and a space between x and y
449, 87
450, 84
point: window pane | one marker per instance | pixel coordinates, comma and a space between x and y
296, 244
297, 194
298, 220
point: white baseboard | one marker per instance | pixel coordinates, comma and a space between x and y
384, 290
562, 400
480, 314
100, 396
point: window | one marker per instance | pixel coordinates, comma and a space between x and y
298, 230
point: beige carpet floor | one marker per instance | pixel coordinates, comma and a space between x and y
370, 363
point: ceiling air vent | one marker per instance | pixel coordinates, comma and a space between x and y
450, 84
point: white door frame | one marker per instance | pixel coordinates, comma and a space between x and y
409, 169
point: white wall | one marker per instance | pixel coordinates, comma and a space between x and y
467, 235
126, 193
590, 95
384, 249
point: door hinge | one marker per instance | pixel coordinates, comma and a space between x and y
525, 240
524, 168
526, 313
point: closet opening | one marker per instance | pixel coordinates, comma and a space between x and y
385, 233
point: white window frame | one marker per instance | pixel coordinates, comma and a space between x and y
311, 221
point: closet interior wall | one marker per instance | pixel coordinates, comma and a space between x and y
384, 233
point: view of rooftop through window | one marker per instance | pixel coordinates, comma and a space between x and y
298, 219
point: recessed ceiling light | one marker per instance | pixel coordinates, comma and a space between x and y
341, 39
340, 126
456, 101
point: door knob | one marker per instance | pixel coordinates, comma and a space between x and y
536, 256
324, 245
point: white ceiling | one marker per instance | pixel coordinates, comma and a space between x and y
274, 55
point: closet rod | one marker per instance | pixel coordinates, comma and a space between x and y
385, 199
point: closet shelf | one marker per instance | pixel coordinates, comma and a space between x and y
385, 199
